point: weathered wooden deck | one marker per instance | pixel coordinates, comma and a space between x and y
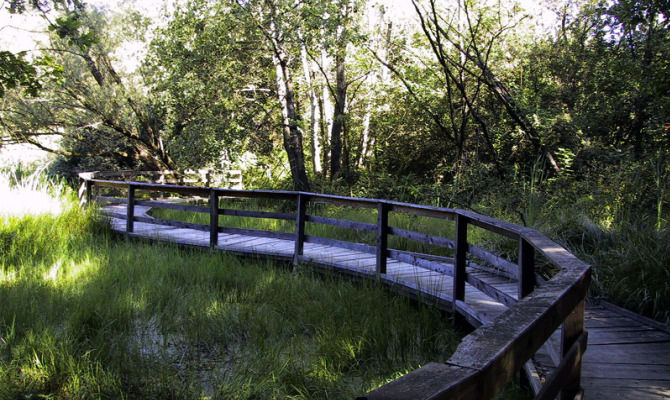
628, 356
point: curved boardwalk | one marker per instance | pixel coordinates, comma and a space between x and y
522, 322
628, 355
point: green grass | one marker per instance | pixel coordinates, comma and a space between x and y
85, 315
631, 262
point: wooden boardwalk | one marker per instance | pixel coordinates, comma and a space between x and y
628, 356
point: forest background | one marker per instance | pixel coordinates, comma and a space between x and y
562, 124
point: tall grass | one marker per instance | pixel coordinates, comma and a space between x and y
85, 315
630, 257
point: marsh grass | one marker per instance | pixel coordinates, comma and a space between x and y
85, 315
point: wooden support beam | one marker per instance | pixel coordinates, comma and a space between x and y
213, 218
461, 252
382, 236
571, 359
573, 328
130, 213
526, 268
299, 227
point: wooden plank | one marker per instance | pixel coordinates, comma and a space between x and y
257, 214
111, 200
641, 353
416, 259
253, 243
606, 329
342, 223
177, 224
618, 322
423, 238
192, 190
363, 248
495, 271
258, 194
403, 273
421, 382
491, 224
259, 233
490, 290
275, 245
346, 256
422, 211
497, 261
233, 240
343, 201
594, 370
620, 393
172, 206
628, 337
640, 385
473, 317
634, 316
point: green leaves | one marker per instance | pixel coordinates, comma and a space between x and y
15, 72
71, 28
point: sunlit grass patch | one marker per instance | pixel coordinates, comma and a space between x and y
31, 195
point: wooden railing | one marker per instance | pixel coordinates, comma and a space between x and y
487, 358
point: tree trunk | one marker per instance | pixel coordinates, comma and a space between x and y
290, 132
339, 117
326, 112
314, 113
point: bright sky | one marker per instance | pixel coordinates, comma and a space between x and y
20, 32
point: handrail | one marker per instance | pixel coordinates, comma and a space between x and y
488, 357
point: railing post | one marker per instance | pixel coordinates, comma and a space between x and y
459, 262
573, 327
299, 227
130, 214
84, 192
213, 218
89, 191
382, 236
526, 268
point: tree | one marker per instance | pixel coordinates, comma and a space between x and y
15, 70
463, 45
276, 21
86, 100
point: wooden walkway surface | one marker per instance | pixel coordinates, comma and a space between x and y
628, 356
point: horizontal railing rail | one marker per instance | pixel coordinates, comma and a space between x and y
487, 358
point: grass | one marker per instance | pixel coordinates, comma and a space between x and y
87, 316
630, 256
631, 262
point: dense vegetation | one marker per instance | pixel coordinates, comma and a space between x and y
463, 103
